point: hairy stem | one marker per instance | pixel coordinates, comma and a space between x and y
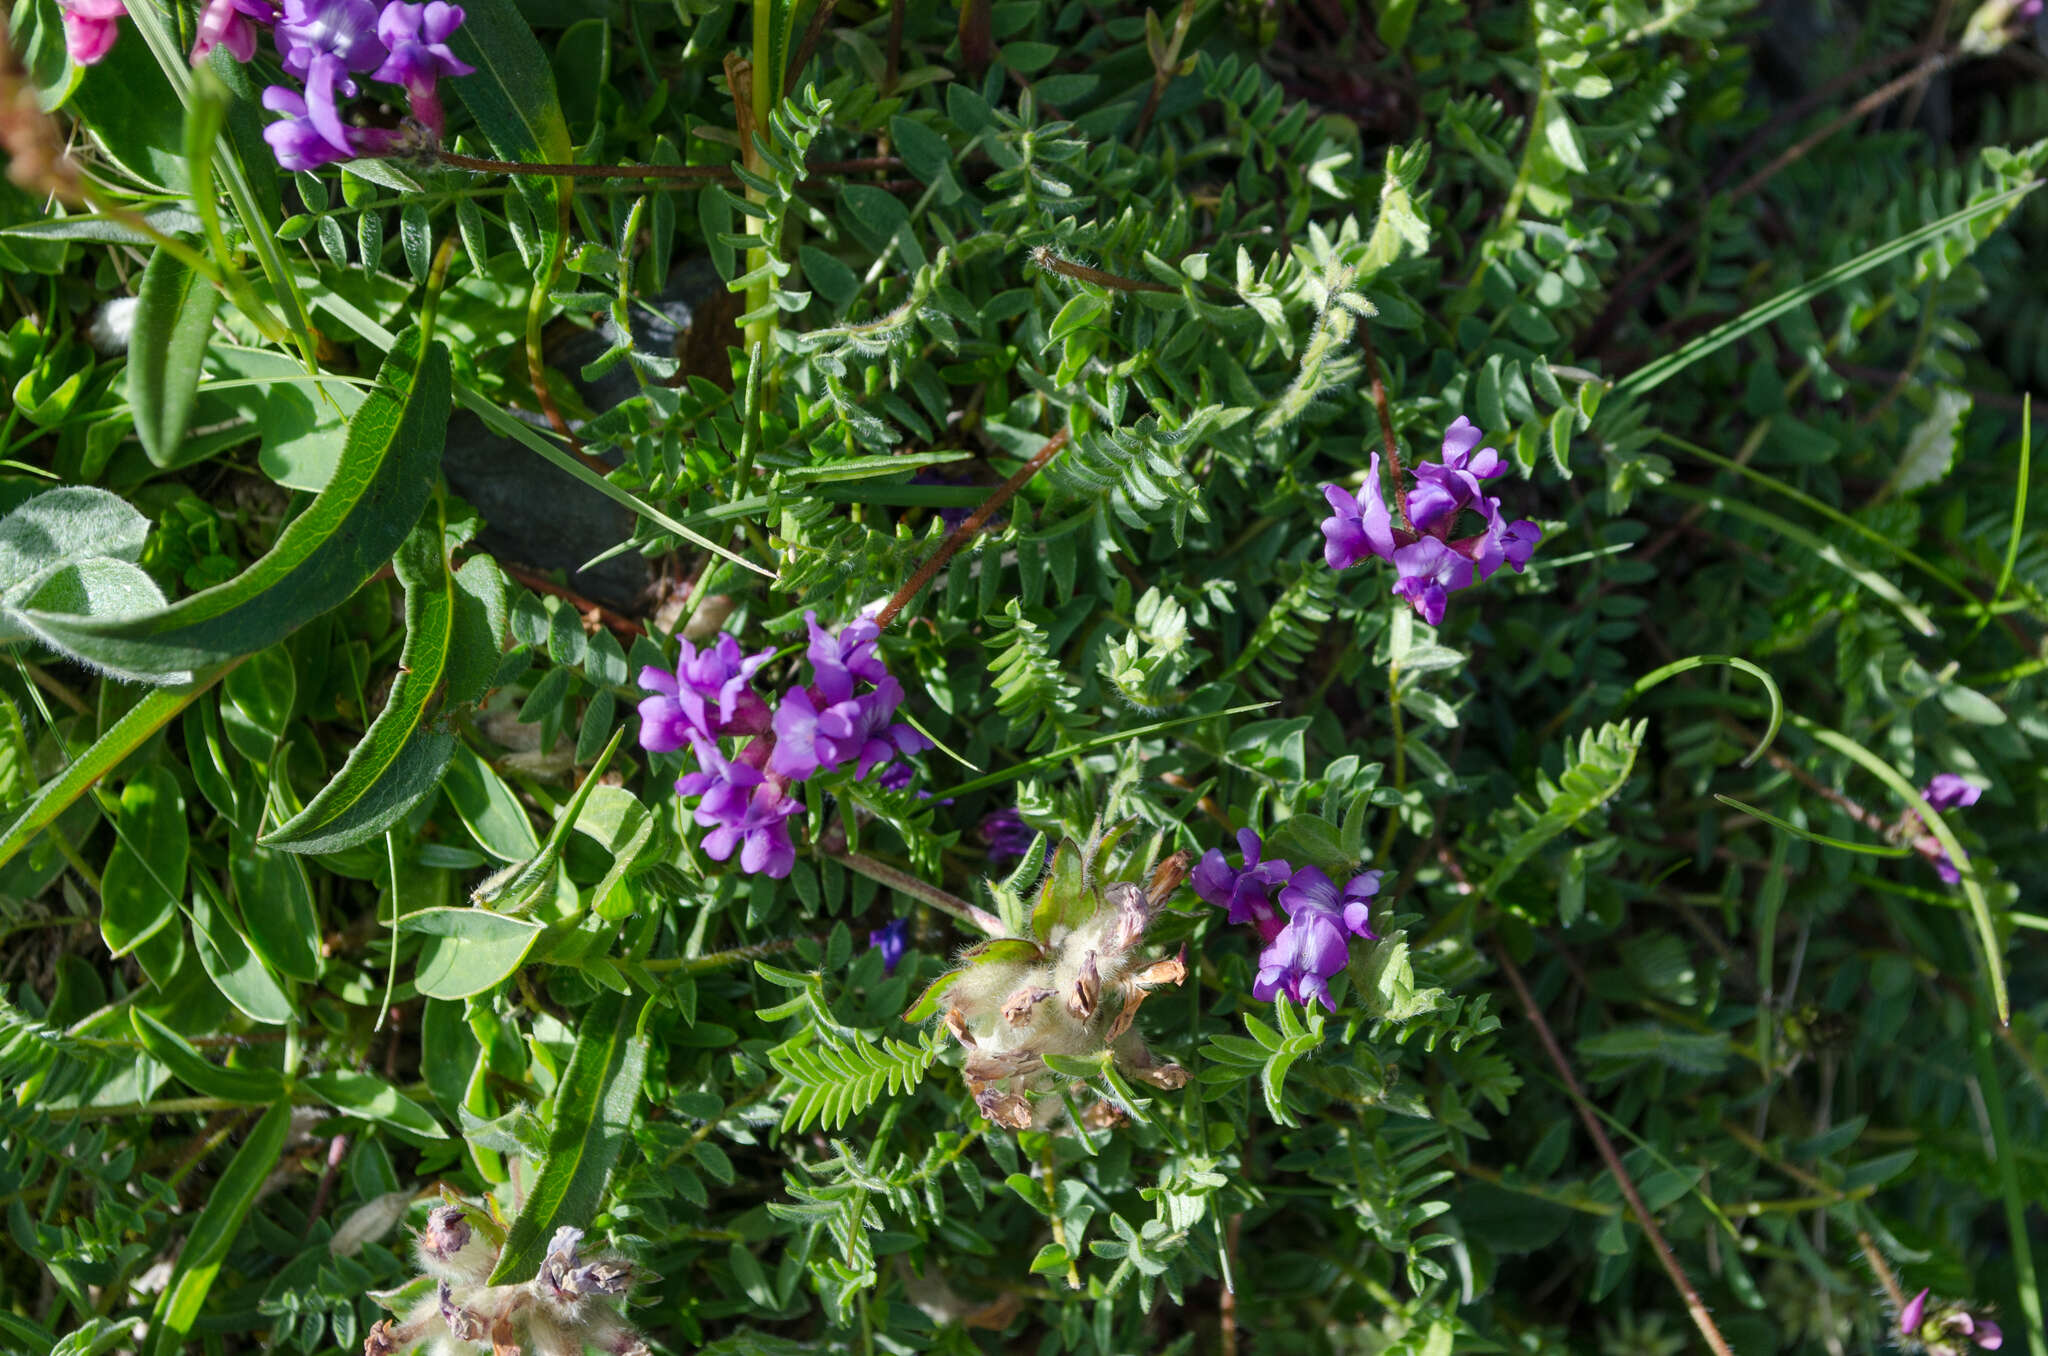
975, 522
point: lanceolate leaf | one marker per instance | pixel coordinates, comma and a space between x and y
386, 470
122, 738
512, 95
206, 1247
593, 1111
173, 319
402, 755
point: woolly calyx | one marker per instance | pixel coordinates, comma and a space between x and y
568, 1306
1039, 1013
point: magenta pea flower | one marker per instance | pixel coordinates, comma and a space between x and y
90, 27
1246, 892
1935, 1326
232, 24
1315, 946
1429, 566
323, 42
417, 37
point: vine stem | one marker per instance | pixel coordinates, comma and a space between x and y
975, 522
1694, 1305
903, 883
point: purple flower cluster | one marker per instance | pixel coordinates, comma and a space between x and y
1934, 1329
325, 44
1006, 836
1945, 791
844, 716
1428, 565
1304, 953
892, 939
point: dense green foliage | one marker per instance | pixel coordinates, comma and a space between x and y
335, 881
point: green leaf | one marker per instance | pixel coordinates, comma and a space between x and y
1599, 768
321, 557
227, 1205
927, 1005
59, 527
1064, 901
400, 758
225, 955
1654, 374
191, 1068
512, 95
593, 1110
145, 872
468, 950
533, 883
369, 1097
173, 322
122, 738
276, 901
835, 1081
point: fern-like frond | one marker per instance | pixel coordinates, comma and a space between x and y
834, 1082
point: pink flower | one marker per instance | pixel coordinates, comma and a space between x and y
90, 28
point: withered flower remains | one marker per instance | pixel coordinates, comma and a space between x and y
1039, 1012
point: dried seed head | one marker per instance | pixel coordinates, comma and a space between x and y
1084, 994
447, 1232
1019, 1007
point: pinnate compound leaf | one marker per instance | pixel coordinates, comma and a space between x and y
593, 1111
349, 531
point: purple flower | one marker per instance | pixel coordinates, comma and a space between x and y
1246, 892
1442, 488
417, 36
744, 809
708, 693
898, 777
2029, 10
90, 27
892, 939
837, 662
232, 24
1310, 888
824, 726
1359, 526
299, 145
321, 41
1932, 1330
1316, 943
1007, 835
1430, 572
1947, 791
1502, 543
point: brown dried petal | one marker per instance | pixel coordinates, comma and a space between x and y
956, 1022
1163, 1075
382, 1339
1006, 1109
1103, 1116
1167, 877
1018, 1009
1085, 994
463, 1325
1172, 970
1133, 913
1127, 1014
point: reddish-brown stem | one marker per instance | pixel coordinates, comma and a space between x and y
337, 1150
1694, 1305
1386, 417
1925, 70
693, 174
1067, 268
958, 537
813, 31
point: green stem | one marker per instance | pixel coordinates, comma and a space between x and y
2009, 1184
766, 81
